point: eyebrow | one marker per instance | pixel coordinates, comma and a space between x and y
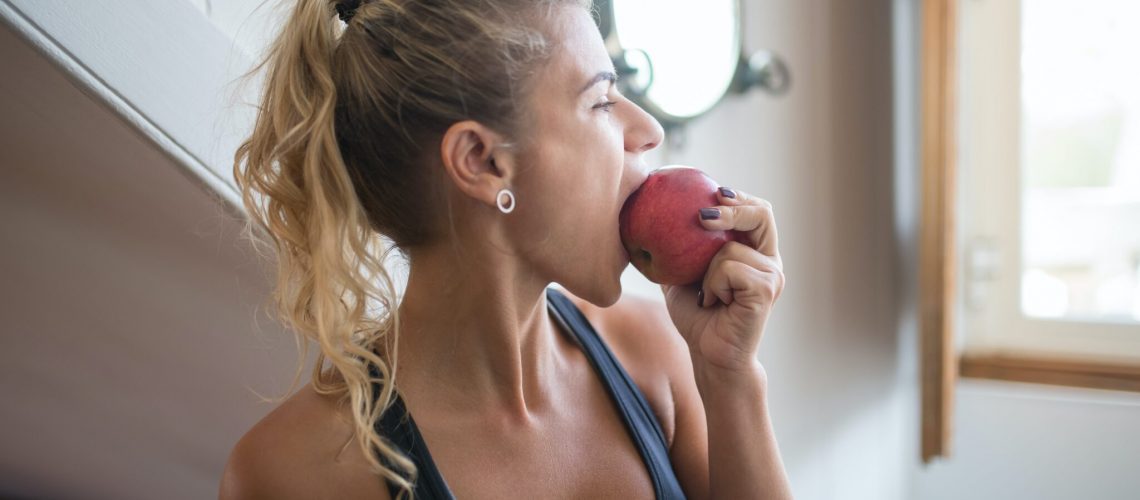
604, 76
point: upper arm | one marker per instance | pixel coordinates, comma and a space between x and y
242, 479
299, 451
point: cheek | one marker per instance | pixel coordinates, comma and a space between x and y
598, 176
604, 175
578, 175
604, 150
590, 167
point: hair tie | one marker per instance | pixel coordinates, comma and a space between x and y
346, 9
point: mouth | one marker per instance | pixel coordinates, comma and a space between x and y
625, 196
620, 243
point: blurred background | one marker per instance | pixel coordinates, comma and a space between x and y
136, 344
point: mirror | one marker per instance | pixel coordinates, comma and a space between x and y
678, 58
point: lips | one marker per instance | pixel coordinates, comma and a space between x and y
624, 197
617, 228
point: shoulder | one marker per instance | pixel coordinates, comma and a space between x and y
638, 327
299, 451
642, 336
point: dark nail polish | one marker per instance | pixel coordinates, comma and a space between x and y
727, 193
701, 298
710, 213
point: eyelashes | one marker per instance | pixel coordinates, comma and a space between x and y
608, 105
605, 106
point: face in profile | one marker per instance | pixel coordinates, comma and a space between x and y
582, 158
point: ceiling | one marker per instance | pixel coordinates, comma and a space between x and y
135, 339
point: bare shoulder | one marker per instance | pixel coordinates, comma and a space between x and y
298, 451
639, 327
641, 334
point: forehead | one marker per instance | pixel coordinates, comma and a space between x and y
578, 53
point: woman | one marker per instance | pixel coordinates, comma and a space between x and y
487, 141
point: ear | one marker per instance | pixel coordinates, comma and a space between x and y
467, 151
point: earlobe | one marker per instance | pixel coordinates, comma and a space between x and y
505, 199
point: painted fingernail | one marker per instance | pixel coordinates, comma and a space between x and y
701, 297
727, 193
710, 213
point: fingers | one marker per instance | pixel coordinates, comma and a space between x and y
738, 273
749, 215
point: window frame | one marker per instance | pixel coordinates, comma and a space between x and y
937, 237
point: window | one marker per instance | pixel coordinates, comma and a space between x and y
1081, 163
1049, 205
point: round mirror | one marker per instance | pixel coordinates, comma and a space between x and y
677, 58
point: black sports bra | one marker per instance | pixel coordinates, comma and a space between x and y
397, 425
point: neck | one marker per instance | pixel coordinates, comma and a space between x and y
476, 337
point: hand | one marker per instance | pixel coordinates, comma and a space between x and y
743, 282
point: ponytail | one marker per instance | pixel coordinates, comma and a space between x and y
296, 187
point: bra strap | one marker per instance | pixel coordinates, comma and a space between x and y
635, 410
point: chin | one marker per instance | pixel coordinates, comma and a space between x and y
599, 294
610, 295
609, 301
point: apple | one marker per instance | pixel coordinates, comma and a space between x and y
661, 228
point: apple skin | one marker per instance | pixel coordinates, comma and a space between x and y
661, 229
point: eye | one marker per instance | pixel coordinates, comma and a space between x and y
606, 106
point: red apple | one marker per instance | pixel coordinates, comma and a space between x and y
661, 228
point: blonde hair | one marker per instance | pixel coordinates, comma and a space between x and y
339, 159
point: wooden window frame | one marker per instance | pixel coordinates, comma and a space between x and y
1052, 370
937, 270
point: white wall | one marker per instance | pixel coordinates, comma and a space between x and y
1045, 443
163, 66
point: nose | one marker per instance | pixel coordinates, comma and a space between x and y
642, 132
